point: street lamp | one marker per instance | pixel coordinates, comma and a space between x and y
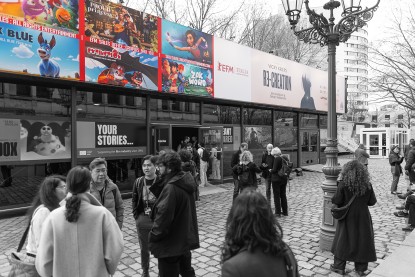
325, 32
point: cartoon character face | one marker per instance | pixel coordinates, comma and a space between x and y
34, 7
173, 69
23, 132
137, 78
63, 16
46, 131
45, 49
190, 39
117, 71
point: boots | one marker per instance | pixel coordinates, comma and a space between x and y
145, 265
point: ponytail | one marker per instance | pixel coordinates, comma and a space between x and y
73, 204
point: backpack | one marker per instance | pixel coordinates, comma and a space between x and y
244, 176
205, 155
285, 169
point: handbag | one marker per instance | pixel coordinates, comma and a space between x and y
21, 268
341, 213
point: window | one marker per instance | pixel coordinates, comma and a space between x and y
23, 90
257, 116
174, 110
221, 114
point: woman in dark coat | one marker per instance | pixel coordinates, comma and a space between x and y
279, 184
354, 238
395, 161
253, 241
247, 165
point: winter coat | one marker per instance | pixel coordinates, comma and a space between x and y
395, 161
253, 170
354, 238
137, 197
257, 263
175, 229
235, 161
269, 160
275, 168
409, 163
406, 151
91, 247
111, 200
361, 156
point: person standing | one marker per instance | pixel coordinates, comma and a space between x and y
406, 150
267, 163
253, 242
361, 154
143, 201
204, 164
235, 161
354, 237
215, 161
279, 183
175, 231
81, 238
395, 161
246, 171
409, 164
103, 189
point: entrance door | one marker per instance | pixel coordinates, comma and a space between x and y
213, 139
375, 145
309, 147
161, 138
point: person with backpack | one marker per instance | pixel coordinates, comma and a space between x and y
204, 164
267, 162
188, 165
253, 242
246, 171
280, 173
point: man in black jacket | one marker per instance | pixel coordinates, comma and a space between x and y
235, 160
409, 162
267, 163
175, 230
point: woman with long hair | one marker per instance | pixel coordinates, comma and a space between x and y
248, 168
253, 241
81, 238
51, 192
354, 238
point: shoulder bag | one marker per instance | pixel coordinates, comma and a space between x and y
341, 213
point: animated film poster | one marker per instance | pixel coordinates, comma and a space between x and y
9, 140
56, 14
180, 77
186, 43
120, 67
30, 51
105, 139
113, 22
257, 137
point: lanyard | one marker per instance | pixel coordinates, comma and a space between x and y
147, 190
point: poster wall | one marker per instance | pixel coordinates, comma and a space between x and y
104, 139
181, 77
117, 66
113, 22
30, 51
56, 14
257, 137
187, 43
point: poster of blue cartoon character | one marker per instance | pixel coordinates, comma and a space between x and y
187, 43
25, 50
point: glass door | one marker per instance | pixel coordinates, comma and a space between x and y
375, 145
309, 147
212, 137
161, 138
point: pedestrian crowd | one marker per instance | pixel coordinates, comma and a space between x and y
75, 222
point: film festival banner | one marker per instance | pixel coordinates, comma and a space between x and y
103, 139
30, 51
55, 14
33, 140
113, 22
186, 43
181, 77
120, 67
257, 137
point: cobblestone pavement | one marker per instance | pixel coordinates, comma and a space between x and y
301, 228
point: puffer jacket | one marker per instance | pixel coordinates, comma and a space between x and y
111, 200
175, 229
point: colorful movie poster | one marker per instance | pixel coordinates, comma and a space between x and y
44, 140
114, 22
184, 42
104, 139
56, 14
29, 51
180, 77
257, 137
120, 67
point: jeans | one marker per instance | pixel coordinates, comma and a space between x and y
173, 266
268, 185
144, 224
203, 176
340, 264
410, 206
235, 188
395, 180
279, 189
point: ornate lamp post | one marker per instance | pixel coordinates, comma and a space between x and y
325, 32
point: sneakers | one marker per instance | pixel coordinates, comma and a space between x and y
401, 214
402, 196
408, 228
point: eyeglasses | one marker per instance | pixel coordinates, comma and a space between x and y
102, 170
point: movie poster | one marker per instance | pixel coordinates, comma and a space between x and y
56, 14
44, 140
114, 22
184, 78
120, 67
187, 43
105, 139
9, 140
25, 50
257, 137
